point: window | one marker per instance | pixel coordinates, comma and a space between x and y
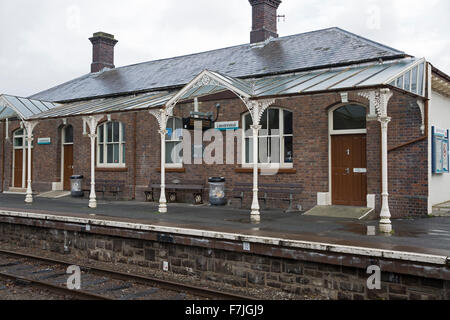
349, 117
20, 139
111, 144
412, 80
68, 135
275, 138
174, 153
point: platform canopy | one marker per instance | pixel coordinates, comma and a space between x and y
22, 108
407, 74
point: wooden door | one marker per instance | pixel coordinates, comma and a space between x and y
18, 168
68, 165
349, 170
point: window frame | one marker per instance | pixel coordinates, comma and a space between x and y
172, 140
104, 145
348, 131
280, 165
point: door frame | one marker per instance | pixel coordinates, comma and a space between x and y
24, 149
63, 143
332, 132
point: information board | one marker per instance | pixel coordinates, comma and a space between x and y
440, 149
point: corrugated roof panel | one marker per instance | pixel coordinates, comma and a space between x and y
395, 69
359, 77
277, 88
317, 79
340, 77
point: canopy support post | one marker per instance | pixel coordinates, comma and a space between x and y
162, 117
29, 127
92, 122
256, 108
379, 99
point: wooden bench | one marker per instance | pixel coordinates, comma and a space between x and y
173, 187
103, 186
281, 192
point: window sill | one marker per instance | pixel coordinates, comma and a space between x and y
275, 170
173, 170
111, 169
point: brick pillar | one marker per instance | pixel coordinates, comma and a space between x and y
103, 51
264, 24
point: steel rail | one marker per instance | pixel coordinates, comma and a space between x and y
80, 294
164, 284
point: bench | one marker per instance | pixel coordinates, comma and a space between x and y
103, 186
173, 187
281, 192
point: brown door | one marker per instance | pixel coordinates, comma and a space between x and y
68, 165
18, 168
349, 170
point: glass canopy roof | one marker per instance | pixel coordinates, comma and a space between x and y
407, 74
23, 108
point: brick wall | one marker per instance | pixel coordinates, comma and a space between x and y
408, 182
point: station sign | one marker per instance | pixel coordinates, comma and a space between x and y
44, 141
227, 125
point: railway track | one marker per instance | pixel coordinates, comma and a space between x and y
99, 283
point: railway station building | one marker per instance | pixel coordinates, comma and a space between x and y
341, 120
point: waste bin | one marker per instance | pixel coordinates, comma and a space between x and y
217, 191
75, 186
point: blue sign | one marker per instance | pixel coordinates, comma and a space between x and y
440, 149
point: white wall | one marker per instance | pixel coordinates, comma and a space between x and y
439, 112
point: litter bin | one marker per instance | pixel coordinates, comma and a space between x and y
75, 186
217, 191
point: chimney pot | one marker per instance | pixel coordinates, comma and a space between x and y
264, 24
102, 51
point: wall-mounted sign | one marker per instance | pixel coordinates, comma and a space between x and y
227, 125
440, 149
359, 170
44, 141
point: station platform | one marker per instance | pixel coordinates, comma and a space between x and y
418, 237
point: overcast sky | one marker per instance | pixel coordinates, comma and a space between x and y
45, 42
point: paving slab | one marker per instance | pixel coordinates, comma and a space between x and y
427, 235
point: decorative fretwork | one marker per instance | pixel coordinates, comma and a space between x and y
257, 108
379, 100
206, 80
162, 116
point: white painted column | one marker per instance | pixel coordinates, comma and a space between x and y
255, 214
256, 108
92, 122
385, 216
29, 127
162, 116
92, 195
379, 100
162, 199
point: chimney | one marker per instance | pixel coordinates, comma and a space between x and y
264, 24
103, 51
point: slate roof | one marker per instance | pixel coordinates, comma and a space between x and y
306, 51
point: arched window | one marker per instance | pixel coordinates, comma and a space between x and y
111, 144
174, 154
68, 135
275, 138
20, 152
350, 118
